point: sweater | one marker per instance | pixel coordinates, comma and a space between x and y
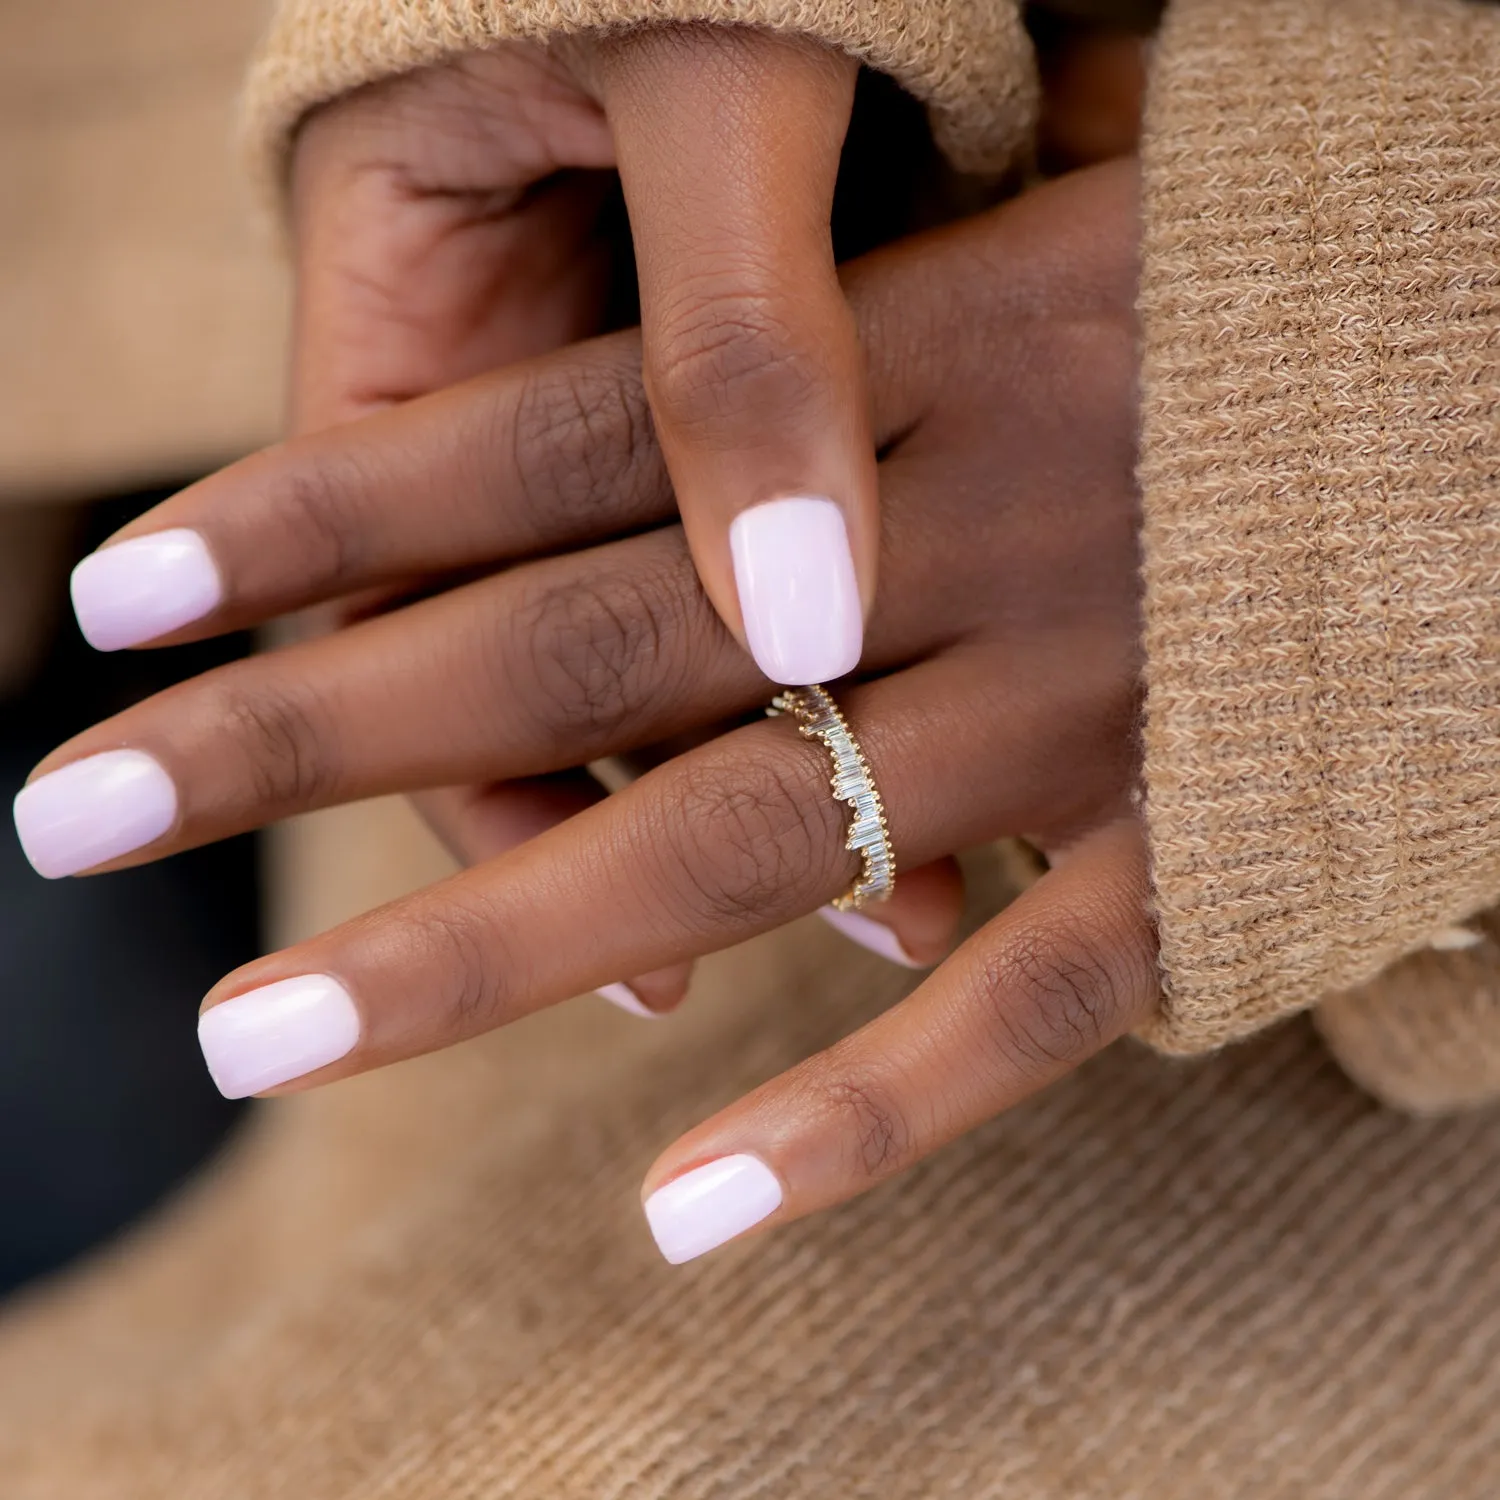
1231, 1278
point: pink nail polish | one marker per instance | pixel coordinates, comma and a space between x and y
279, 1032
93, 811
147, 587
875, 936
797, 589
704, 1208
627, 999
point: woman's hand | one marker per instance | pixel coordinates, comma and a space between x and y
1002, 367
447, 223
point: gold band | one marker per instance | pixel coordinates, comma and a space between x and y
818, 718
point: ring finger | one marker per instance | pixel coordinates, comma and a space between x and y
718, 845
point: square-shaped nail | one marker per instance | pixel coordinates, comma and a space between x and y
794, 572
714, 1203
93, 811
276, 1033
139, 590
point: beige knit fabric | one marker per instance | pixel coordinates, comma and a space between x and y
1321, 469
969, 63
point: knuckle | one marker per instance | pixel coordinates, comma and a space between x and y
314, 501
1053, 1001
751, 845
288, 755
720, 359
582, 431
868, 1117
459, 941
599, 650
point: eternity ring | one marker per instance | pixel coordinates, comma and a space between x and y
818, 718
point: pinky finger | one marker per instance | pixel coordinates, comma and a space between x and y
1063, 972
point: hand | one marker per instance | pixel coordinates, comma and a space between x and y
452, 220
447, 223
1002, 368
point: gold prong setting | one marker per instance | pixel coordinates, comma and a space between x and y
819, 718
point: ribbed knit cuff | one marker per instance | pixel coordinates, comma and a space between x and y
968, 61
1321, 478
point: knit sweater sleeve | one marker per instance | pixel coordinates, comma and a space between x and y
1321, 481
970, 63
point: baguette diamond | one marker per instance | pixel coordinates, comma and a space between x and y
818, 718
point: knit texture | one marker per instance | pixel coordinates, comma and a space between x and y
1321, 472
1239, 1280
970, 64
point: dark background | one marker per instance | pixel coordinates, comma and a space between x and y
104, 1101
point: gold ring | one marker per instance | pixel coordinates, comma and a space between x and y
818, 718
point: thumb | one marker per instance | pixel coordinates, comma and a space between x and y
728, 143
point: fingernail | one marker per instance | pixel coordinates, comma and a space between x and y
875, 936
138, 590
704, 1208
277, 1033
627, 999
798, 592
94, 811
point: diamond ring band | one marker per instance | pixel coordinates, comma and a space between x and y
818, 717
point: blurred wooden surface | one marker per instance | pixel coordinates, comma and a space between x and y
142, 312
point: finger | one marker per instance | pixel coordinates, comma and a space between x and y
477, 823
548, 456
518, 675
914, 926
1065, 971
725, 842
424, 251
728, 143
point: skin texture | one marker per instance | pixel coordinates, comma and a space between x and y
1001, 367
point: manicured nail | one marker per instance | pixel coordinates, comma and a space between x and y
798, 593
277, 1033
138, 590
627, 999
704, 1208
94, 811
875, 936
